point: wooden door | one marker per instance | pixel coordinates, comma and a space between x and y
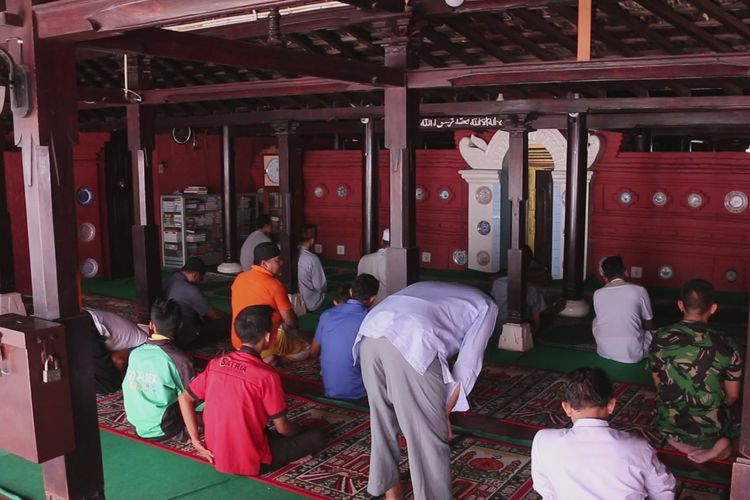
543, 218
119, 184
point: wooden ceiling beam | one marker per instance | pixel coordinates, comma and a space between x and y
640, 68
304, 22
186, 46
82, 20
443, 42
535, 22
685, 111
724, 16
337, 43
498, 27
674, 18
614, 11
109, 97
600, 33
477, 38
439, 7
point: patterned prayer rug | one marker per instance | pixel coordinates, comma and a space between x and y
530, 397
123, 307
481, 468
336, 421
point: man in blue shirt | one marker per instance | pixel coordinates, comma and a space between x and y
335, 336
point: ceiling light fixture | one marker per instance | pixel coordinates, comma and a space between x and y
454, 3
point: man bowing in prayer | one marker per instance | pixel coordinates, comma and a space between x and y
404, 345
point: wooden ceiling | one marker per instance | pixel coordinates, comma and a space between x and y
485, 50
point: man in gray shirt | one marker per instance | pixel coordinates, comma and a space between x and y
261, 234
202, 324
311, 278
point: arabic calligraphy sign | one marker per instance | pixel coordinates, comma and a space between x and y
460, 122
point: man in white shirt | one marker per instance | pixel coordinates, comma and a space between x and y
112, 339
591, 460
374, 264
623, 315
261, 234
404, 345
311, 279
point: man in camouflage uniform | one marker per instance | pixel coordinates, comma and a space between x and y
697, 374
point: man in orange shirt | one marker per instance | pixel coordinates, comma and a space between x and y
260, 286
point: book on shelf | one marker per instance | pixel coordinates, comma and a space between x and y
196, 190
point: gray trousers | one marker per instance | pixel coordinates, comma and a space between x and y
402, 398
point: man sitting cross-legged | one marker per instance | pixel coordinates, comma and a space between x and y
158, 371
591, 460
697, 373
623, 323
242, 394
334, 338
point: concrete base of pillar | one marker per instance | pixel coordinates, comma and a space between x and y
740, 478
576, 308
229, 268
516, 337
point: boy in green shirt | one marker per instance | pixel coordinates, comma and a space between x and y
157, 374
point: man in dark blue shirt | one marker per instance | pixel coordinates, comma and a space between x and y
335, 336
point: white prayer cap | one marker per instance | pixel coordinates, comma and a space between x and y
387, 235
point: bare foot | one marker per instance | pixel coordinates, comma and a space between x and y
396, 492
684, 448
719, 451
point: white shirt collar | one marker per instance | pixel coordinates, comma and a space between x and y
591, 422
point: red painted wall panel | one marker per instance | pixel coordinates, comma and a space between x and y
441, 224
701, 242
88, 163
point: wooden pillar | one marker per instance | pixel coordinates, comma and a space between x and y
370, 188
518, 187
291, 192
584, 30
741, 467
401, 129
47, 131
140, 124
229, 195
7, 277
575, 207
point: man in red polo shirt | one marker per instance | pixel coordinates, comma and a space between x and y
242, 394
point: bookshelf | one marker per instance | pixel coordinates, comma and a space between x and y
191, 226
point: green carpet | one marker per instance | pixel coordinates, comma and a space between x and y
565, 360
132, 470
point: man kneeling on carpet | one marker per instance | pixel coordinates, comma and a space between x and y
334, 338
591, 460
697, 373
158, 371
242, 394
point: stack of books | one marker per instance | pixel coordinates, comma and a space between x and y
196, 190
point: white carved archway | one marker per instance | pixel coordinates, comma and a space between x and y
483, 156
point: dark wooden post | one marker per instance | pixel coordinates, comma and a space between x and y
518, 187
140, 123
370, 188
575, 217
401, 129
229, 195
290, 190
47, 131
741, 467
7, 277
